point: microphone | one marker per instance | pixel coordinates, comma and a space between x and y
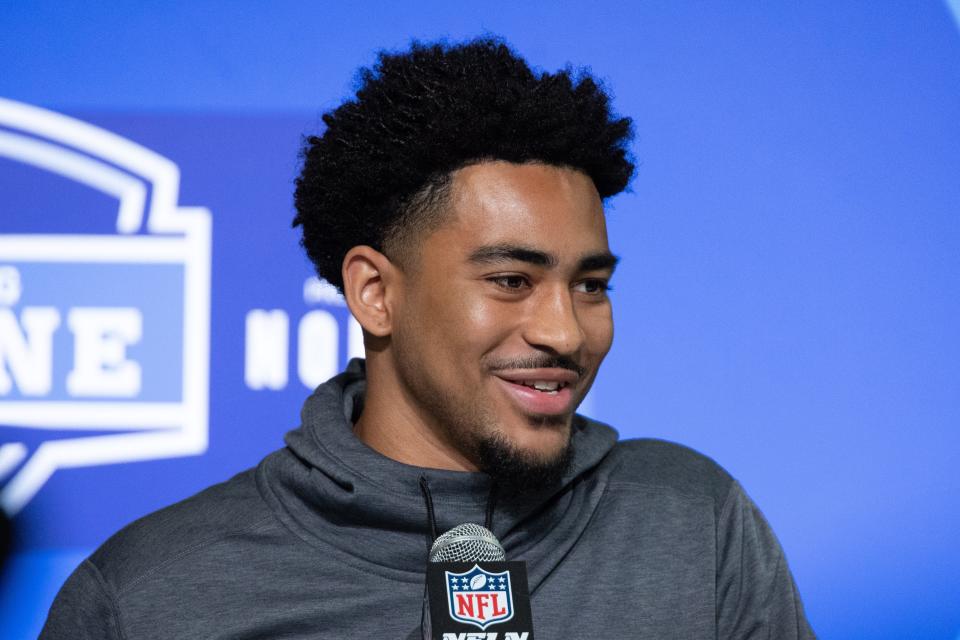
470, 585
467, 542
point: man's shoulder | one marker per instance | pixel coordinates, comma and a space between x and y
667, 465
182, 530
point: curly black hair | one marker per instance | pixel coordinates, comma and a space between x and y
380, 172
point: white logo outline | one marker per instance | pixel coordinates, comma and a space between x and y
182, 235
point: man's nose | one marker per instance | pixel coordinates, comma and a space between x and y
552, 323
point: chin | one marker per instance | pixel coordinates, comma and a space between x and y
539, 438
521, 469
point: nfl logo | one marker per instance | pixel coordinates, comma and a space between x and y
479, 597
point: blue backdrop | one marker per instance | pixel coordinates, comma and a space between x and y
788, 301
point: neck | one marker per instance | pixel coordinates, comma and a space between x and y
394, 426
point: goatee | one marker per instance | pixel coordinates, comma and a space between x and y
518, 472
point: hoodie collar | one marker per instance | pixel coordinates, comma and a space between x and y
331, 488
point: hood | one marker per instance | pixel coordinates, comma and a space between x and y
333, 490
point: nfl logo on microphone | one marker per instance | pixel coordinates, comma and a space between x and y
479, 597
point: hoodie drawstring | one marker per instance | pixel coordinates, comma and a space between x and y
432, 516
491, 505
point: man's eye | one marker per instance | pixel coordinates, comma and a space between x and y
593, 286
513, 283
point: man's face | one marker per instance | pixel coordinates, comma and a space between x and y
504, 318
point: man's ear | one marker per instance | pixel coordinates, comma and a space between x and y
367, 277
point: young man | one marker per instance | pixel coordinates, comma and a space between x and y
457, 203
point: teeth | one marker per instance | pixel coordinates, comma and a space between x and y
540, 385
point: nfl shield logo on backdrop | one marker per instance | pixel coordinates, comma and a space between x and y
479, 597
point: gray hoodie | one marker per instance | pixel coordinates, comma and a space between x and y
326, 538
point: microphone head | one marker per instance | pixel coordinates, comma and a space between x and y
467, 542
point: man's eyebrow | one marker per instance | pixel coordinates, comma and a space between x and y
599, 262
498, 253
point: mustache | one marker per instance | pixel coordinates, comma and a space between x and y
539, 362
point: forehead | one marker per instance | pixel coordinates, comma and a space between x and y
555, 209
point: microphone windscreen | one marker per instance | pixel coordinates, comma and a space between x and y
467, 542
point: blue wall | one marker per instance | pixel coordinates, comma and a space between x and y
788, 301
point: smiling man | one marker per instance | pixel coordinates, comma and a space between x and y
458, 203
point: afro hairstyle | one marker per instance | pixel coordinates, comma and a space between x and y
379, 173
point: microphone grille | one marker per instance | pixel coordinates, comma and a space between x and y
467, 542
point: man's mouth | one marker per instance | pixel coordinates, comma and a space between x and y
540, 391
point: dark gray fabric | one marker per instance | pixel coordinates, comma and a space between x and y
328, 539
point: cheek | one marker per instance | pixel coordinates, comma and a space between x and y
598, 330
476, 325
478, 314
456, 320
